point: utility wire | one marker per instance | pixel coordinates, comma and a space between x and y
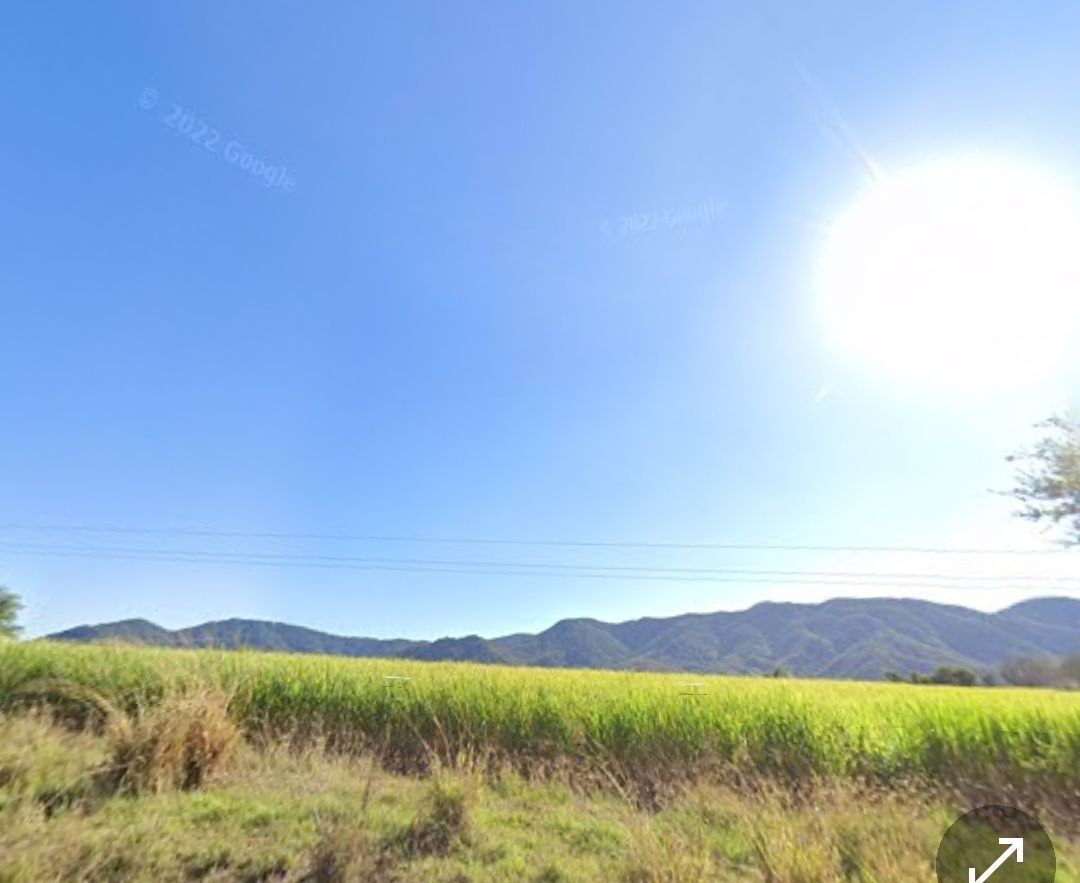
492, 541
510, 568
299, 559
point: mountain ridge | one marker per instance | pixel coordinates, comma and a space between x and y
839, 638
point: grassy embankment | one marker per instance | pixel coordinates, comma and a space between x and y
196, 765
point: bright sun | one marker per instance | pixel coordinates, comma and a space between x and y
962, 274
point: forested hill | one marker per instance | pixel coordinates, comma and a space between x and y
842, 638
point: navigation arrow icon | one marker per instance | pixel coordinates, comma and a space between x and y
1014, 844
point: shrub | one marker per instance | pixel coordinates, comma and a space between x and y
943, 674
177, 744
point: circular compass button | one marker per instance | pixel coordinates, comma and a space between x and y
996, 844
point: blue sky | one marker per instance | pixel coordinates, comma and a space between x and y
547, 271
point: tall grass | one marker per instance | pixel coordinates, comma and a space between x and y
605, 723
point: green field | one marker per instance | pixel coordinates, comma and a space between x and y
621, 724
126, 764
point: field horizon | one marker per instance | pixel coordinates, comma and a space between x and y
846, 638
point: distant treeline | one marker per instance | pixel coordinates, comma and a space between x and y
1027, 671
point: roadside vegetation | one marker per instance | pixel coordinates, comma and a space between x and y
92, 804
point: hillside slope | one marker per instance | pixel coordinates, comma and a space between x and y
843, 638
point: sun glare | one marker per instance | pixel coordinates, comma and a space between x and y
961, 275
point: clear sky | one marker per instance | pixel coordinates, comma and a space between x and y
547, 271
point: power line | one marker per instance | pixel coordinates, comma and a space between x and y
494, 541
271, 557
544, 569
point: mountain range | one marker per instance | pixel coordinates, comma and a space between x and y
843, 638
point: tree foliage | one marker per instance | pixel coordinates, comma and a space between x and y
1034, 671
943, 674
10, 605
1048, 477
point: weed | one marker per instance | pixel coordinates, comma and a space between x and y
443, 823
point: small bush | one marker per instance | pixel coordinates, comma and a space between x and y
179, 743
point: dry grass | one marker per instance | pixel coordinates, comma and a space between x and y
655, 859
830, 833
443, 822
346, 854
180, 743
280, 814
